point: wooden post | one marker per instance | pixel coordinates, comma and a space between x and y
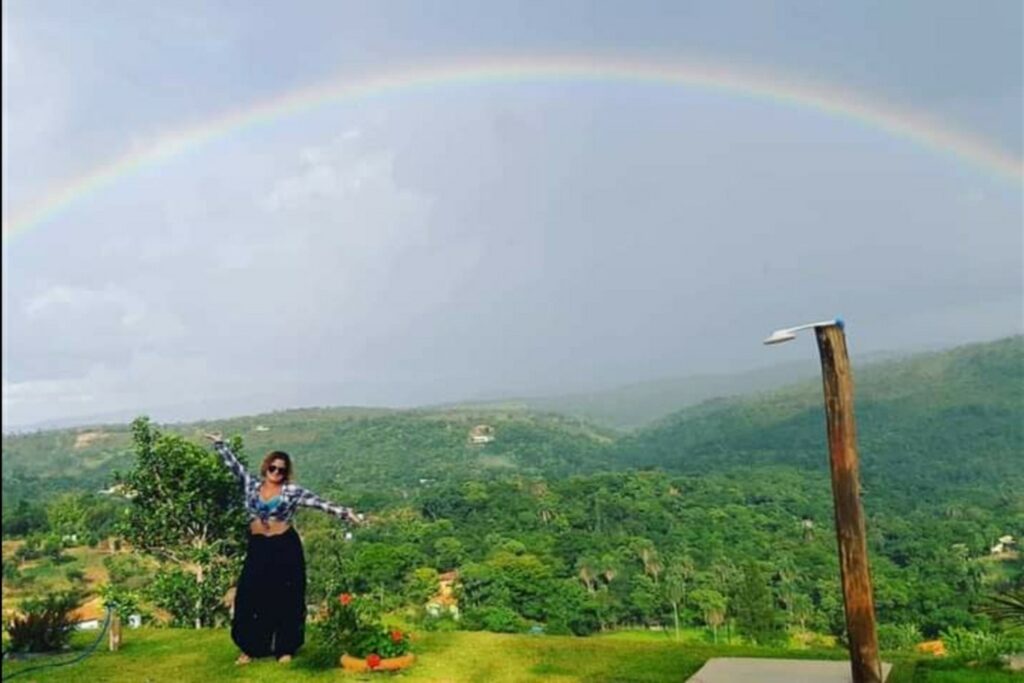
853, 552
115, 632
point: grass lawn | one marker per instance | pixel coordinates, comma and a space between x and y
182, 656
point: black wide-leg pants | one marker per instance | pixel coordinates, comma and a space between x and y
270, 600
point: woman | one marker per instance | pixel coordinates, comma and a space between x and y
270, 599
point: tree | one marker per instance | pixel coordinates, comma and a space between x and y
649, 557
185, 511
675, 593
644, 598
421, 584
1006, 607
587, 571
449, 552
67, 516
679, 575
25, 519
712, 606
753, 606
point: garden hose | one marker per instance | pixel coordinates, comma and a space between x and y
88, 651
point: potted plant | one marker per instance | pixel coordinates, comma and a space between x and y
351, 633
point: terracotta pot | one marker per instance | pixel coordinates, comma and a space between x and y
349, 663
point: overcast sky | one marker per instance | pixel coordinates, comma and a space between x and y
489, 239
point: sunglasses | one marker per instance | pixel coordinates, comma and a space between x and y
274, 469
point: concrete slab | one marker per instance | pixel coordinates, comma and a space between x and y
754, 670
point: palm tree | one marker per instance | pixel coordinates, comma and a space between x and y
609, 568
1006, 607
675, 593
587, 573
652, 565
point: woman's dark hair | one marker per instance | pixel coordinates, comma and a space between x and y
277, 455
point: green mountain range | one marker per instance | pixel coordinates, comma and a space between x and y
945, 421
950, 420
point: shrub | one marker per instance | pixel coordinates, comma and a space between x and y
30, 550
44, 624
11, 571
124, 601
53, 549
496, 619
445, 622
189, 601
352, 626
979, 647
902, 637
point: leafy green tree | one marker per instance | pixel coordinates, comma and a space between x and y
421, 584
26, 518
571, 609
124, 601
712, 606
449, 553
53, 548
186, 512
753, 606
645, 599
67, 516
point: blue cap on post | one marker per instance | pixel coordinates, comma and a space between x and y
840, 323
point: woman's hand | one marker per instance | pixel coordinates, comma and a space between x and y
215, 437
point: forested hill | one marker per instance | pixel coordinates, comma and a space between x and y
372, 453
936, 421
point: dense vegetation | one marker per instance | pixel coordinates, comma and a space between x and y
718, 516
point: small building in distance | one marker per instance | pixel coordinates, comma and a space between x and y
89, 616
1004, 545
481, 434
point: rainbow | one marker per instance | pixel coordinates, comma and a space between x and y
910, 126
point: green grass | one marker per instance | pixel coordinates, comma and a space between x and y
181, 656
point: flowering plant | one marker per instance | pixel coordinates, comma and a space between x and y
352, 626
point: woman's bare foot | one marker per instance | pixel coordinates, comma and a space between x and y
243, 659
284, 659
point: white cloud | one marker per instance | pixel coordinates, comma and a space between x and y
36, 96
336, 173
134, 316
146, 380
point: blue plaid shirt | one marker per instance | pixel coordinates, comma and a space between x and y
283, 506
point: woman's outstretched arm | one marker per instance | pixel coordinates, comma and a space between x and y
309, 499
230, 459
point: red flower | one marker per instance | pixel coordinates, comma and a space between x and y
373, 661
345, 599
396, 636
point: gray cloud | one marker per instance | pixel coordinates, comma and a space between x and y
489, 240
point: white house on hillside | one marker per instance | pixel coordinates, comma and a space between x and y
1004, 545
481, 434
